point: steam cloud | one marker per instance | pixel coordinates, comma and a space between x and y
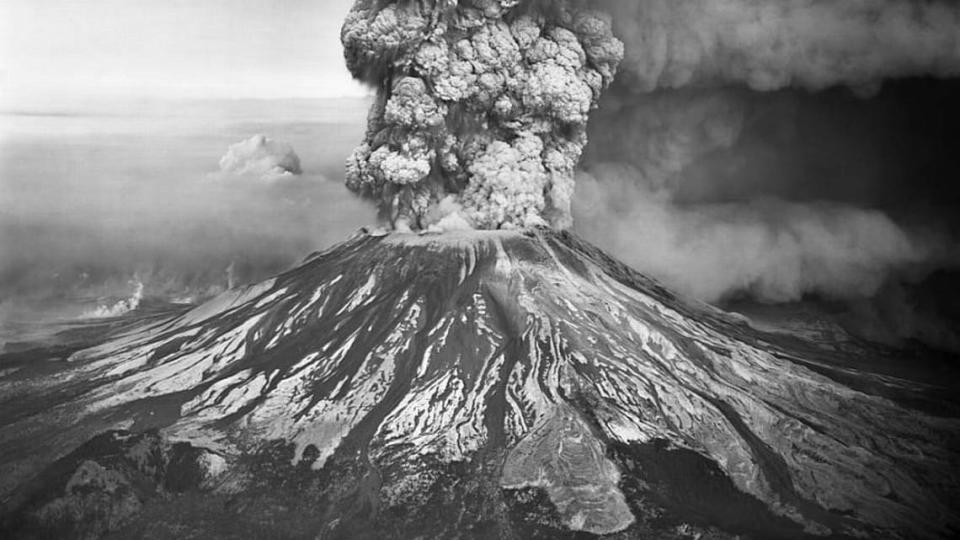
771, 249
262, 157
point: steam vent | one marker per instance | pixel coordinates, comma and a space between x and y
496, 384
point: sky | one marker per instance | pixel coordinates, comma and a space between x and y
56, 50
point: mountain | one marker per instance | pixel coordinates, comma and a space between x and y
495, 384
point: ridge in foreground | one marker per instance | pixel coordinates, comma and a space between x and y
476, 384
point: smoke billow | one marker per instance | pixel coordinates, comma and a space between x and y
770, 249
262, 157
482, 101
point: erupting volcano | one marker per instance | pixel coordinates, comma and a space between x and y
492, 384
471, 369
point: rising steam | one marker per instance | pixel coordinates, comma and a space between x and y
119, 307
770, 249
262, 157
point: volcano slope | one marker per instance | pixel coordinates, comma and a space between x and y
476, 385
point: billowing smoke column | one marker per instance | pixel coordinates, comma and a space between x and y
481, 105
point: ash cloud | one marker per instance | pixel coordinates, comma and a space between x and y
767, 45
767, 248
484, 101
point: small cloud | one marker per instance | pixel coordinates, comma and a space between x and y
262, 157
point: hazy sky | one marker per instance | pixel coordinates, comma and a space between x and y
76, 49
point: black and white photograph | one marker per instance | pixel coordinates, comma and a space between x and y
480, 269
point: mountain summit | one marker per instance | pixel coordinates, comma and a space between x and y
506, 384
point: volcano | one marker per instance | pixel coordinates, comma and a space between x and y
481, 384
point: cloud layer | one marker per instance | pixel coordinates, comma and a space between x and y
767, 45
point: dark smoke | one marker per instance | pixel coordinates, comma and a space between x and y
481, 105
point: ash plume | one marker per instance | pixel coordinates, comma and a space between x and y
483, 101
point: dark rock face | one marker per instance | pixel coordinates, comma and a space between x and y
471, 385
104, 484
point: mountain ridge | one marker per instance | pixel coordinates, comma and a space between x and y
527, 356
